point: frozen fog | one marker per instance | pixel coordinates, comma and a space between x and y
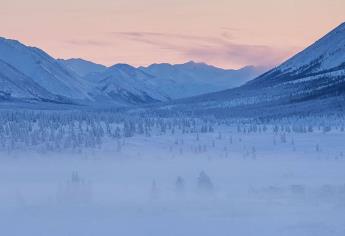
228, 179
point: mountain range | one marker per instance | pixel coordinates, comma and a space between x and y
311, 81
78, 81
191, 78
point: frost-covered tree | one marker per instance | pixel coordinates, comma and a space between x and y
204, 183
179, 185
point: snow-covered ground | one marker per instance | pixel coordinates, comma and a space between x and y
261, 180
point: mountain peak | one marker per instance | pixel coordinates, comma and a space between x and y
75, 60
193, 63
82, 67
123, 66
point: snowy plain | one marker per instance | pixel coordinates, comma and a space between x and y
263, 180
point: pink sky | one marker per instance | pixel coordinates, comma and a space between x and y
225, 33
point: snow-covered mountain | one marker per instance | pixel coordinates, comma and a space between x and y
317, 71
62, 80
127, 84
82, 67
163, 82
81, 81
328, 53
191, 78
311, 81
43, 70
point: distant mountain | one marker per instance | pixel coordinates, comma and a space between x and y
43, 70
82, 82
125, 83
163, 82
43, 78
82, 67
311, 81
191, 78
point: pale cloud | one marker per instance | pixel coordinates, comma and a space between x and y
82, 42
215, 49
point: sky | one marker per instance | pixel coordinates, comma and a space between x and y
225, 33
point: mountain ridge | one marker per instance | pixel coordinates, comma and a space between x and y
82, 67
311, 77
41, 68
287, 87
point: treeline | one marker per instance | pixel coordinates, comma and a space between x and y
75, 131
